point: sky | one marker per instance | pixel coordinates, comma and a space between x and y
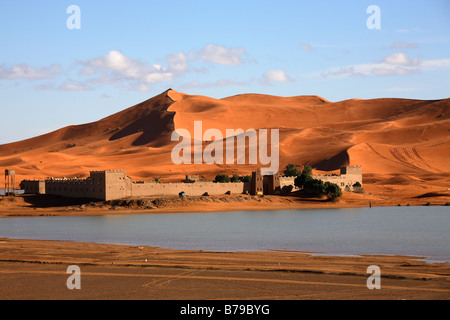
72, 62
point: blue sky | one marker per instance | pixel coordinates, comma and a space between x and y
128, 51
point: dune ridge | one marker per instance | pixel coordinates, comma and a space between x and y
391, 138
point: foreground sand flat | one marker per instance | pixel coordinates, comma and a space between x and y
34, 269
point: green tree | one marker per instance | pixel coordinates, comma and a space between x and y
235, 178
245, 178
307, 170
315, 186
157, 179
304, 177
291, 170
332, 190
222, 178
301, 180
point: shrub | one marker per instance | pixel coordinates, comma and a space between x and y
315, 185
291, 170
358, 190
302, 180
222, 178
235, 178
245, 178
332, 190
307, 170
287, 189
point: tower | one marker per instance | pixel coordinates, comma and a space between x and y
273, 183
257, 184
10, 181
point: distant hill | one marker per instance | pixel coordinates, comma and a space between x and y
398, 139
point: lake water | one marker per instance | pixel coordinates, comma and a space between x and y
416, 231
17, 191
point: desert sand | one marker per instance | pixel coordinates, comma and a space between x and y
402, 145
32, 269
398, 142
34, 206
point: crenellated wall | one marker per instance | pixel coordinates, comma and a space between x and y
191, 189
33, 186
112, 185
348, 177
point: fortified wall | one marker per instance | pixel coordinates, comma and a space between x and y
197, 188
113, 185
33, 186
349, 175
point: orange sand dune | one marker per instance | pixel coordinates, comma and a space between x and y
388, 137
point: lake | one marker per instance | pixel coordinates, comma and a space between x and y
17, 191
416, 231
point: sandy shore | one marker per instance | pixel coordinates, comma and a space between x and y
33, 269
31, 205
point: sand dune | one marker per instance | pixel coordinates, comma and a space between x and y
388, 137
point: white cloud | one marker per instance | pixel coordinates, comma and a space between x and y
219, 54
401, 58
177, 63
276, 76
24, 71
72, 85
113, 60
440, 63
142, 88
395, 64
156, 77
119, 70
